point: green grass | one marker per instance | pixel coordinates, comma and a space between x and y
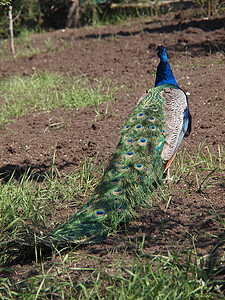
36, 196
47, 90
144, 278
73, 274
204, 170
23, 46
36, 201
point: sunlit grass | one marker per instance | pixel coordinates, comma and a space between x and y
202, 171
155, 277
47, 90
22, 45
34, 200
36, 196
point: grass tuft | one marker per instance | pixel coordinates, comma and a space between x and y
204, 170
78, 275
46, 91
34, 198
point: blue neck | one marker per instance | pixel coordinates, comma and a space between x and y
164, 74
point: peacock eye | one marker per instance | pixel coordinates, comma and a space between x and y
129, 141
117, 191
129, 154
116, 180
123, 168
138, 127
99, 213
139, 166
141, 115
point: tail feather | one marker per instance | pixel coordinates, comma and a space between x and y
149, 139
133, 171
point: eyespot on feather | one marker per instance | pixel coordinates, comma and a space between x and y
129, 141
99, 213
140, 115
139, 166
138, 127
142, 142
151, 119
123, 168
115, 181
129, 154
117, 191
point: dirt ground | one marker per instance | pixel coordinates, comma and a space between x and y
126, 54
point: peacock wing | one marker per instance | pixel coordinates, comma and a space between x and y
177, 121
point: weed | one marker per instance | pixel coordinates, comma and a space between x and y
211, 7
202, 171
220, 49
50, 46
57, 125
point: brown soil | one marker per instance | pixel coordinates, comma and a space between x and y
126, 54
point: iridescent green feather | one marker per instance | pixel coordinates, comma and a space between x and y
134, 170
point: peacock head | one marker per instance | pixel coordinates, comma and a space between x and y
164, 74
161, 52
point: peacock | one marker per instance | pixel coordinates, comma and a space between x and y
149, 141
